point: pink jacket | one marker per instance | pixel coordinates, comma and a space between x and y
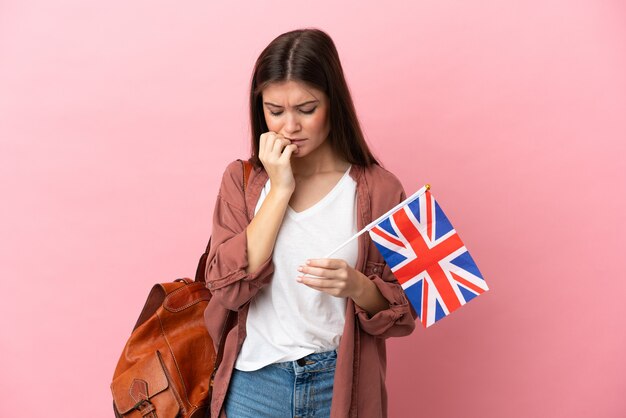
359, 386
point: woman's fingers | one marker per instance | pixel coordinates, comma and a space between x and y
278, 145
262, 142
289, 149
317, 282
275, 153
334, 276
325, 263
270, 143
323, 272
332, 287
279, 148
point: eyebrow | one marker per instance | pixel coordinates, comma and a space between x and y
298, 105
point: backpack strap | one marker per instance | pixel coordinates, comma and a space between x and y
247, 167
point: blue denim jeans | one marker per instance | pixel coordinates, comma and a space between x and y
294, 389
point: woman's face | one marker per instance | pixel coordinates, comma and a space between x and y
297, 111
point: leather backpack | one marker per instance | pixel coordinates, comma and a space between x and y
167, 366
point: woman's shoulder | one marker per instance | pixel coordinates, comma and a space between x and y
233, 177
385, 189
231, 185
233, 172
379, 176
235, 167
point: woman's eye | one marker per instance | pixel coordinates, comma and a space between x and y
306, 112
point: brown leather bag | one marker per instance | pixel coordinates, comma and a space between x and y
167, 367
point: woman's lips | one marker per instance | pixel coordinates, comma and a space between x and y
297, 141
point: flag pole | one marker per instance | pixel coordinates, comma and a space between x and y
392, 210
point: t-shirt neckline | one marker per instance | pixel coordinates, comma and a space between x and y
323, 201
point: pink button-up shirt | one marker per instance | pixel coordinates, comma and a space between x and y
359, 386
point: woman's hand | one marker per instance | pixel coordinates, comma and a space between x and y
337, 277
275, 154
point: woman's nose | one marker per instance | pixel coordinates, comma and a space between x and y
292, 123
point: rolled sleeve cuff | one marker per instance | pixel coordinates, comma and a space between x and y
227, 278
398, 315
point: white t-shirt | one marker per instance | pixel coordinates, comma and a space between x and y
288, 320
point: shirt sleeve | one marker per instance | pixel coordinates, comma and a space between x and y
399, 319
226, 275
396, 321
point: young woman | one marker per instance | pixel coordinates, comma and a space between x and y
310, 334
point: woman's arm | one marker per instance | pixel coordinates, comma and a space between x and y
338, 278
380, 303
263, 229
240, 258
369, 297
398, 319
382, 308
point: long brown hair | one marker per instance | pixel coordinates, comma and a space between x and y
309, 55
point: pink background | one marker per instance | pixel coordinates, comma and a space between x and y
117, 119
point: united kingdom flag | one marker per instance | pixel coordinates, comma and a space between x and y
428, 258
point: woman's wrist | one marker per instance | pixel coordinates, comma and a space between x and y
368, 297
281, 192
